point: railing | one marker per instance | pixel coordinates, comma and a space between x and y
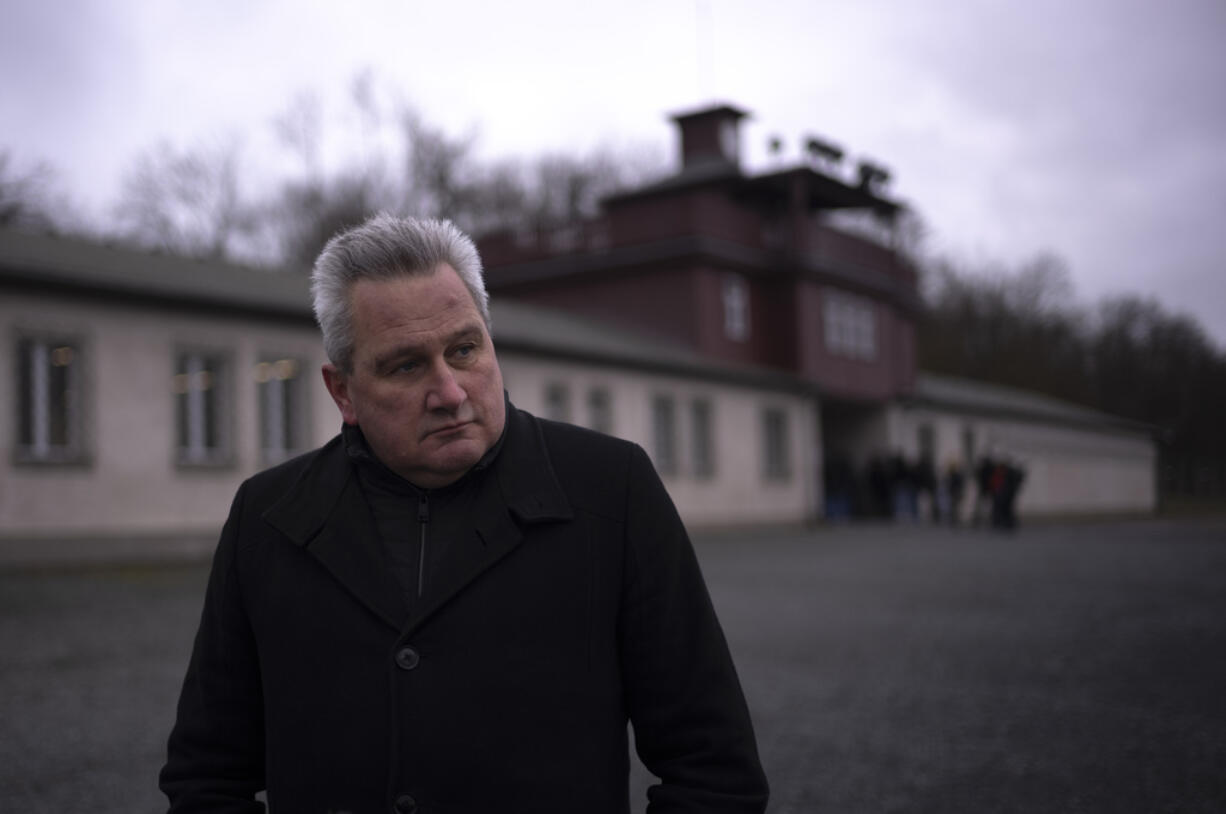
529, 244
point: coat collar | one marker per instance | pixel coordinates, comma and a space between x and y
326, 513
525, 473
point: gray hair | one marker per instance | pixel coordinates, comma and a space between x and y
383, 248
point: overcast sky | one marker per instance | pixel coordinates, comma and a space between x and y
1094, 129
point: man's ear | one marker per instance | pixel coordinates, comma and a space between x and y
338, 387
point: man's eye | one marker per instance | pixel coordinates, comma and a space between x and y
465, 350
406, 367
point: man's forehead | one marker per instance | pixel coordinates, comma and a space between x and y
395, 345
445, 335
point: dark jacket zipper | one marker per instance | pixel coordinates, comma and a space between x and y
423, 519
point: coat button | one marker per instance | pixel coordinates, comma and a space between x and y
405, 804
407, 658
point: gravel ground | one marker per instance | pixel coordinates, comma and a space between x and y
1077, 668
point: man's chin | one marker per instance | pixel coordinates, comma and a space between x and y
453, 459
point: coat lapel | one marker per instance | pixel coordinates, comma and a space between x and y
494, 536
325, 513
519, 489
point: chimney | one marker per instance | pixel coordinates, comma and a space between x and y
710, 137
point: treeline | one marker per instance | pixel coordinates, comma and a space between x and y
1127, 355
199, 201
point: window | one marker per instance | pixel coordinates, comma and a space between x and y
557, 401
736, 308
282, 413
201, 430
49, 400
600, 410
850, 324
702, 446
729, 145
776, 448
664, 433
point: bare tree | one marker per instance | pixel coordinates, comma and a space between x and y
310, 213
25, 196
1014, 326
502, 198
186, 202
1040, 286
440, 174
300, 128
565, 188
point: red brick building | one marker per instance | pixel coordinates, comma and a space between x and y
740, 268
800, 271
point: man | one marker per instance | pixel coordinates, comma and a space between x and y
453, 606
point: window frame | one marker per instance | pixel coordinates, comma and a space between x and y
600, 409
27, 450
850, 325
222, 384
702, 438
664, 434
734, 295
559, 404
294, 407
777, 465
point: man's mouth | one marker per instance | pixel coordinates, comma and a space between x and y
449, 429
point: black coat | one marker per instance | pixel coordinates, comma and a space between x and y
574, 605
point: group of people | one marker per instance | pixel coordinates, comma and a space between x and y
913, 489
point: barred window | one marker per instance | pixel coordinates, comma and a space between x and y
702, 441
557, 401
201, 420
664, 434
282, 406
776, 445
49, 400
736, 308
600, 410
850, 325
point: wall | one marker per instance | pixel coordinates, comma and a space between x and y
1069, 470
738, 492
132, 484
653, 302
889, 373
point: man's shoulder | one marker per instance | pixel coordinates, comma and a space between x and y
592, 468
274, 480
589, 441
570, 445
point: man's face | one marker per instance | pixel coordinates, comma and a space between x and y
425, 387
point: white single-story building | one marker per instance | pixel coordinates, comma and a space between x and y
142, 388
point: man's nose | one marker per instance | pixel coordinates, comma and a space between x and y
445, 392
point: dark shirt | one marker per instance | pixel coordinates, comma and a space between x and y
415, 525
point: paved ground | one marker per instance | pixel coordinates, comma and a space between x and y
1062, 669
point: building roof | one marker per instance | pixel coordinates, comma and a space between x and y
773, 189
74, 265
964, 395
719, 109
